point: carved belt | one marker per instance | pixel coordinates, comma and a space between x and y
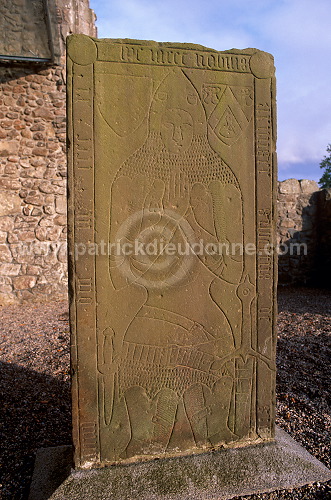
170, 357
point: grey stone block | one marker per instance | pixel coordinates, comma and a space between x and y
217, 475
52, 466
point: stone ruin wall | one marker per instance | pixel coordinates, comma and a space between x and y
323, 254
297, 218
304, 217
33, 262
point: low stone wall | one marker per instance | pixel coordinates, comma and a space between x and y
297, 229
323, 254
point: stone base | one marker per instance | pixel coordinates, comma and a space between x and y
218, 475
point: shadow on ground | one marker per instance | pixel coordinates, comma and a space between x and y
304, 300
303, 368
35, 413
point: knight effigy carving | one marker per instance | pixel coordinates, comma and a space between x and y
177, 352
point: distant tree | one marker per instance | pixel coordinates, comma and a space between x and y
325, 180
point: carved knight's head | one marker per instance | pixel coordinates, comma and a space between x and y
177, 116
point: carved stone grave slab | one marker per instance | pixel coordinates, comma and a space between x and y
171, 230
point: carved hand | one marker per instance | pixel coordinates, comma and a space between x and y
177, 193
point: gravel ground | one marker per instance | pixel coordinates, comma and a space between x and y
35, 385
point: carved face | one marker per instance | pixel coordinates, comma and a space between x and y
177, 116
177, 130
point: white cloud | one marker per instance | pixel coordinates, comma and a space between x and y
298, 33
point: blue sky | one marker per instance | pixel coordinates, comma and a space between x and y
296, 32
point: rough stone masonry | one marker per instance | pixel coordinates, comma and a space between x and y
33, 261
171, 160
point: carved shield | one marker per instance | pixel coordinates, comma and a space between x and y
228, 120
123, 101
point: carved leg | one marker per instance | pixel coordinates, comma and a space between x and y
164, 417
195, 406
140, 410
